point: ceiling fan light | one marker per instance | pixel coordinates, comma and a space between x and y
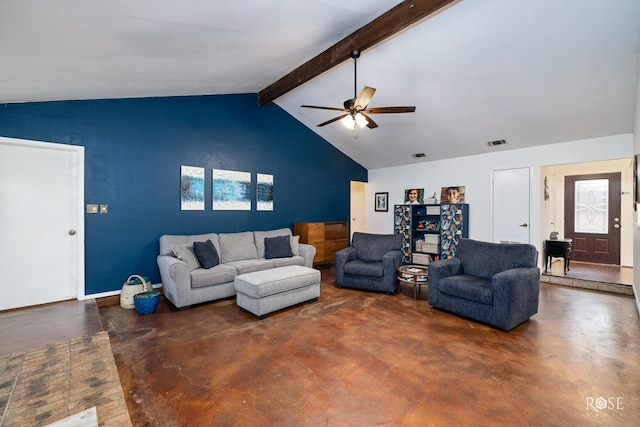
353, 121
361, 120
348, 122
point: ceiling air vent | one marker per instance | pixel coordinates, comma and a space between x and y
497, 142
418, 155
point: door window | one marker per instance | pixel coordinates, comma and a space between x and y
591, 206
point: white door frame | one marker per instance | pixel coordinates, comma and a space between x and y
79, 150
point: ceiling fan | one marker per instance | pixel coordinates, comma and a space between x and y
356, 111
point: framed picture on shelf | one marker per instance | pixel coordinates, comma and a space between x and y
382, 204
453, 194
413, 196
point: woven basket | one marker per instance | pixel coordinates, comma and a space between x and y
146, 302
134, 285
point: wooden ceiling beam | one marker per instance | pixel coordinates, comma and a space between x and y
395, 20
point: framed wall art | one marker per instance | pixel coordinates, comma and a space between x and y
382, 202
191, 188
231, 190
264, 192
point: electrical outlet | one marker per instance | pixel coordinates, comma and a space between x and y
104, 209
92, 209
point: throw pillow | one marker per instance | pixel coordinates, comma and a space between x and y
206, 254
277, 247
185, 253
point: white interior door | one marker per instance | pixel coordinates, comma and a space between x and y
511, 205
41, 223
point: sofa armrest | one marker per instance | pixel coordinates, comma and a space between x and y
516, 293
438, 270
342, 257
308, 252
176, 280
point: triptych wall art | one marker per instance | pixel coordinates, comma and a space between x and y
230, 190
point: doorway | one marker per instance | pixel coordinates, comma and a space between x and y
41, 222
592, 217
356, 209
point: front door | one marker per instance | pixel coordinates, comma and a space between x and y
592, 217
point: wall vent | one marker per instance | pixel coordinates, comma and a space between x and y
418, 155
496, 142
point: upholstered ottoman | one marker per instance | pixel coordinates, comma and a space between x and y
263, 292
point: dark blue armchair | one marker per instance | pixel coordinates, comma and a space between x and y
370, 262
494, 283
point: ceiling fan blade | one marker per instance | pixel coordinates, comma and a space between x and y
371, 124
389, 110
335, 119
364, 97
324, 108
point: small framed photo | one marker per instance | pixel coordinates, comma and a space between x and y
452, 194
382, 202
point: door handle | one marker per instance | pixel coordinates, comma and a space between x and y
72, 232
525, 225
616, 225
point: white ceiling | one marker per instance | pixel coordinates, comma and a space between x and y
529, 71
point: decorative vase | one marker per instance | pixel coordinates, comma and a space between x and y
146, 302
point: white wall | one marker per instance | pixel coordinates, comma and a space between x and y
474, 172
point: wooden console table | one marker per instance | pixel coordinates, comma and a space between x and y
326, 237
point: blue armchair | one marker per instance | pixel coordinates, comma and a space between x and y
494, 283
370, 262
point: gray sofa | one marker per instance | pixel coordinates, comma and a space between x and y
493, 283
185, 282
370, 262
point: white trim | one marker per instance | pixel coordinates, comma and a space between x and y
113, 293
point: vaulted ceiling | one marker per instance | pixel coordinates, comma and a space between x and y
529, 72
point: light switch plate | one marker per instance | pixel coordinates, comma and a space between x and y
104, 209
92, 209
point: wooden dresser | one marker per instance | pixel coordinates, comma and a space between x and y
326, 237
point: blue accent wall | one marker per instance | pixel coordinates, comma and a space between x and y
133, 152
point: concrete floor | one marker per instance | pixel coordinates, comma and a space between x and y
359, 359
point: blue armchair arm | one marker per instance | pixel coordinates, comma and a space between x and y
440, 269
516, 294
342, 257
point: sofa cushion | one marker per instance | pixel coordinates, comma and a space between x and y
237, 246
277, 247
251, 265
485, 259
282, 262
221, 273
259, 237
467, 287
361, 267
167, 241
206, 254
185, 254
372, 247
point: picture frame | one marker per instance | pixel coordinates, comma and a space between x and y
382, 202
414, 196
457, 196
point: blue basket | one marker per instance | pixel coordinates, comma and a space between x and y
146, 302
